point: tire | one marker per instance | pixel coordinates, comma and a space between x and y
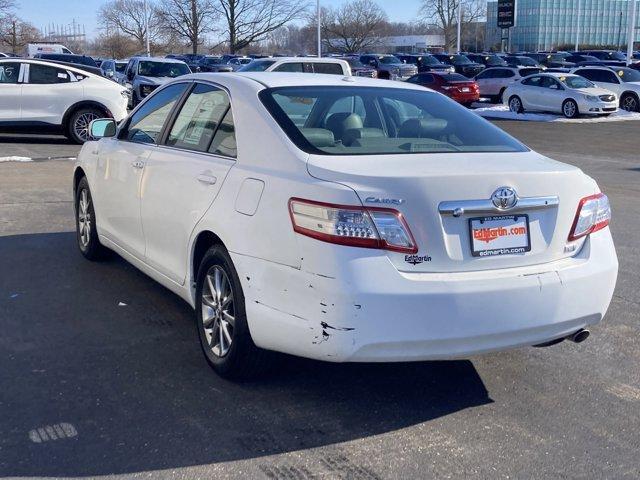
515, 104
223, 331
77, 128
86, 232
629, 102
570, 109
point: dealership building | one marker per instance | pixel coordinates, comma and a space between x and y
546, 24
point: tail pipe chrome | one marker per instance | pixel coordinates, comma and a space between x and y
579, 336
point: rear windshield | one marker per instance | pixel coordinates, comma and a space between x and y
454, 77
628, 74
378, 120
162, 69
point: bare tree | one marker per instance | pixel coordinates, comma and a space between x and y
128, 17
249, 21
5, 7
353, 27
16, 33
444, 15
188, 19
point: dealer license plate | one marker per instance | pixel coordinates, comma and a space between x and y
499, 235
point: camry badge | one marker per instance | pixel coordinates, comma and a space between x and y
504, 198
385, 201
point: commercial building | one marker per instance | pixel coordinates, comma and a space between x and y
546, 24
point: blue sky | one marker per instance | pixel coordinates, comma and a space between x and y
42, 12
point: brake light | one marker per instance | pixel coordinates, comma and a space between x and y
356, 226
594, 213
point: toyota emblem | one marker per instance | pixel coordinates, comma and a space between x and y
504, 198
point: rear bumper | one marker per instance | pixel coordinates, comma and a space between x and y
370, 312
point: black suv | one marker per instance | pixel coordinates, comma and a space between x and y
521, 61
609, 57
461, 63
552, 60
83, 62
426, 63
389, 67
487, 59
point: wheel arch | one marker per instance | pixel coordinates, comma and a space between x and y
82, 104
202, 243
78, 174
629, 92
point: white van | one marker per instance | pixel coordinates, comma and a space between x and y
32, 49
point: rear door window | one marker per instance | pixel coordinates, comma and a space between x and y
328, 68
44, 74
199, 118
293, 67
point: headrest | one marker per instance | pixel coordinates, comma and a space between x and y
354, 134
319, 137
423, 128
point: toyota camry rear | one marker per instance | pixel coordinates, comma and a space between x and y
448, 237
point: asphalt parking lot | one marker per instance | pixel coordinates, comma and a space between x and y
101, 372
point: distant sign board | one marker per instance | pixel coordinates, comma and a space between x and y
506, 13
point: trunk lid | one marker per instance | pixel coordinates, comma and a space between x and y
421, 182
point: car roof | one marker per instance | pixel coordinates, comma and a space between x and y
557, 74
302, 59
64, 66
281, 79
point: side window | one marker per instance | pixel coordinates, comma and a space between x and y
609, 77
9, 72
532, 81
328, 68
146, 124
199, 118
224, 141
44, 74
484, 74
588, 74
508, 73
290, 67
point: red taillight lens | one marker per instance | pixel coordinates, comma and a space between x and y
594, 213
355, 226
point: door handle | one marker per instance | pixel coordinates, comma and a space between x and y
207, 179
137, 164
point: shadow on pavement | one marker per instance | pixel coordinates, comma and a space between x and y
136, 394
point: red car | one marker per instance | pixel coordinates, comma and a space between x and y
453, 85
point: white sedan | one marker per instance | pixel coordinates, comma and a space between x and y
569, 94
344, 219
36, 94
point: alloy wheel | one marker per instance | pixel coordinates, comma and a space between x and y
82, 123
514, 105
630, 104
84, 218
218, 314
569, 109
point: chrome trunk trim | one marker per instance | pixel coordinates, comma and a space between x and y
458, 208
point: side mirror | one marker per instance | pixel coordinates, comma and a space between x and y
102, 128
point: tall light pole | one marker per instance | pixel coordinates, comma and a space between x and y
319, 30
146, 28
631, 26
578, 27
459, 23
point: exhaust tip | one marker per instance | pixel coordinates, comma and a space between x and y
579, 336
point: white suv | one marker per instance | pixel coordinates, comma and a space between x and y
39, 94
493, 81
331, 66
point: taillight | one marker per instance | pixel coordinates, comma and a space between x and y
593, 214
355, 226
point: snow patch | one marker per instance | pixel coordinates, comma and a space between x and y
502, 112
16, 159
